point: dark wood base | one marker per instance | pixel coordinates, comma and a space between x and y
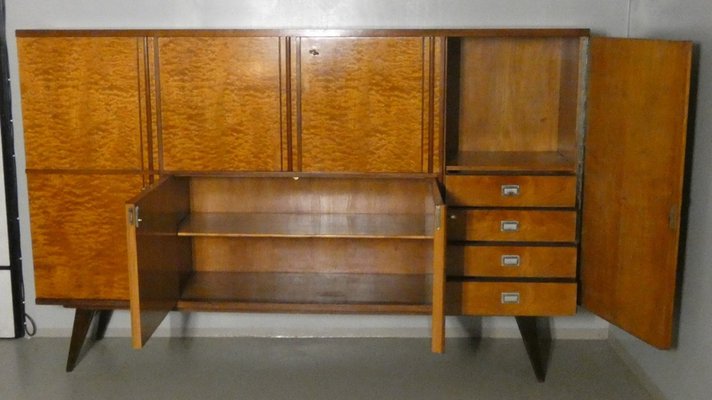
82, 322
537, 340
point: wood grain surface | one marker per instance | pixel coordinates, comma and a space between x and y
296, 288
307, 225
78, 234
510, 94
312, 194
487, 190
220, 103
533, 225
361, 104
514, 161
313, 255
635, 155
535, 299
534, 261
438, 105
80, 102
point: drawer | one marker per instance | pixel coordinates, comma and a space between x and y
511, 261
510, 298
510, 191
512, 225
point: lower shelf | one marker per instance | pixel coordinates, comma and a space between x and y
308, 292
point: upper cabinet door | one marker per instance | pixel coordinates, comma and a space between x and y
220, 103
633, 182
362, 104
159, 260
81, 102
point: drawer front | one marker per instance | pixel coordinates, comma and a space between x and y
511, 298
510, 191
511, 261
512, 225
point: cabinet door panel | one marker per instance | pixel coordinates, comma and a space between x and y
220, 103
361, 106
635, 152
78, 239
158, 260
80, 102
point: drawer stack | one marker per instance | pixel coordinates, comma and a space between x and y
511, 244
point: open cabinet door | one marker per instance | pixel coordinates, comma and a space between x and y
159, 260
633, 179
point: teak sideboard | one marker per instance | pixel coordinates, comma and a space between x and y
514, 172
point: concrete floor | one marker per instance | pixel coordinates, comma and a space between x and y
262, 368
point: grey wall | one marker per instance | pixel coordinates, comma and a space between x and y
684, 372
608, 17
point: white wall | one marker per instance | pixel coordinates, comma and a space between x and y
685, 372
608, 17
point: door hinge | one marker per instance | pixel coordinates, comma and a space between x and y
133, 216
438, 217
672, 217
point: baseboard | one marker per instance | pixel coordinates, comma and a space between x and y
255, 325
636, 369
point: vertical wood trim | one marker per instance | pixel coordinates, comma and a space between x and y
149, 108
159, 117
444, 108
285, 107
438, 312
143, 122
438, 115
424, 101
431, 104
299, 103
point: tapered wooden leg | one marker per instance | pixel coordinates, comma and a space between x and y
537, 341
82, 322
103, 323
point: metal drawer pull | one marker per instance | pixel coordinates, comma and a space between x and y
509, 260
510, 190
509, 226
510, 298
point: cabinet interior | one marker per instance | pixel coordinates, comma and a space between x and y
308, 244
512, 103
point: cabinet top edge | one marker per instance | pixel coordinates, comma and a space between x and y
470, 32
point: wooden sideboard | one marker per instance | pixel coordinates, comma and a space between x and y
304, 171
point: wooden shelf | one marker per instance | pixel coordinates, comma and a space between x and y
308, 292
376, 226
536, 161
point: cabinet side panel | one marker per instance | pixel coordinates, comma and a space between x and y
220, 103
80, 102
362, 104
634, 164
78, 235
